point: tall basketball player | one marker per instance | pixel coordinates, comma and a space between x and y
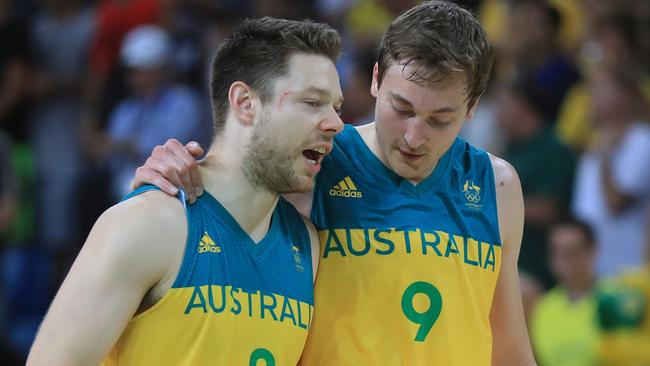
227, 280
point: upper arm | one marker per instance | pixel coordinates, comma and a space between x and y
108, 281
510, 206
510, 338
301, 201
315, 245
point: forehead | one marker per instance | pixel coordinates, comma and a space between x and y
567, 236
309, 72
449, 91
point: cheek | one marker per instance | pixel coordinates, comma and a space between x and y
392, 125
389, 132
292, 123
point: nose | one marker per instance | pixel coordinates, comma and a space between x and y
415, 134
332, 123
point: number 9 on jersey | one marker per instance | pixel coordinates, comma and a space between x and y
424, 318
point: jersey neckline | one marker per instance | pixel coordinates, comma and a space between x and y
379, 169
257, 249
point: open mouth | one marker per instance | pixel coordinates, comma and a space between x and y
314, 155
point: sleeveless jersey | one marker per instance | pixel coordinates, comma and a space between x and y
233, 302
407, 272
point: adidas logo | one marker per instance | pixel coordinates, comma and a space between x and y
207, 245
345, 188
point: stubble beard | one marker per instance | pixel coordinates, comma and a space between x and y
268, 164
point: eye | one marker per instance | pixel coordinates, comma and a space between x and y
337, 110
437, 123
403, 112
313, 103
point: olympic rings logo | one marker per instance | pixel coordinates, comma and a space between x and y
471, 197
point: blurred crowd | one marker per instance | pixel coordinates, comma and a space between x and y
88, 88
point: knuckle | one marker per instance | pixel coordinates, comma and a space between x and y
159, 181
165, 170
158, 150
173, 143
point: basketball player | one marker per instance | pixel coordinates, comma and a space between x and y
232, 283
419, 231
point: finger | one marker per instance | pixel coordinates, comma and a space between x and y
195, 149
189, 163
167, 169
184, 175
195, 176
160, 152
169, 166
144, 175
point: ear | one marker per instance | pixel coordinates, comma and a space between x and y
374, 86
242, 105
471, 110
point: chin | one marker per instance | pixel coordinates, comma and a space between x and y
401, 168
301, 184
307, 184
407, 172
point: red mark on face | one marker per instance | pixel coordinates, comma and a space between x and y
282, 97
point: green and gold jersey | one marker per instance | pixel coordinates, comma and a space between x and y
234, 302
407, 272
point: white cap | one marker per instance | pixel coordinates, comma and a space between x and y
145, 47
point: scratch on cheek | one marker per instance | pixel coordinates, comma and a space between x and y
282, 97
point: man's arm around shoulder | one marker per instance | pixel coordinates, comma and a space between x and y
510, 343
133, 246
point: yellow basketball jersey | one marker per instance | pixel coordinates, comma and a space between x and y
407, 272
233, 302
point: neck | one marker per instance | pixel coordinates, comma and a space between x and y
252, 207
579, 288
368, 134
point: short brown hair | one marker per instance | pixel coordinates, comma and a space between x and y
258, 52
438, 37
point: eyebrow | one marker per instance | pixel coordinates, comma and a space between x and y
403, 100
323, 93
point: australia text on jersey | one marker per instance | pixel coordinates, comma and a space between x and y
360, 242
228, 300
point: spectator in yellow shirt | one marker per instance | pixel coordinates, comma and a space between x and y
563, 327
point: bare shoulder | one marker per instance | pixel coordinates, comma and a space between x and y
131, 232
153, 214
505, 175
510, 202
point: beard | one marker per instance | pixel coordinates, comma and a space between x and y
268, 163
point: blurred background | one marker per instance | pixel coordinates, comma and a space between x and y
88, 88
